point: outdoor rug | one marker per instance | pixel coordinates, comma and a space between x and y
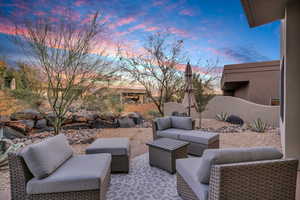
143, 183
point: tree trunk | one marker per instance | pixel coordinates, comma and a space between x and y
200, 120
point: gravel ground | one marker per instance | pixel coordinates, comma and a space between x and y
139, 136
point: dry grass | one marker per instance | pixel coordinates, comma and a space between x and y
140, 108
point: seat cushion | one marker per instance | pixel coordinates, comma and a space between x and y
163, 123
188, 168
182, 123
172, 133
234, 155
198, 136
45, 157
80, 172
114, 146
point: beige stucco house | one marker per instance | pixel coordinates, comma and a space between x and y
256, 82
261, 12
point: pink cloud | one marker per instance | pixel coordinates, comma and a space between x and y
137, 27
39, 13
79, 2
159, 2
151, 28
187, 12
122, 22
178, 32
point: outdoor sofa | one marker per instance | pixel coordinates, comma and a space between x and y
49, 170
237, 174
183, 128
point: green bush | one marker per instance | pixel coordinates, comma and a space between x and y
259, 126
28, 96
154, 113
222, 116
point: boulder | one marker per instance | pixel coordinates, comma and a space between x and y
27, 114
178, 114
10, 133
79, 118
28, 123
136, 117
76, 126
233, 119
4, 118
126, 122
98, 123
18, 126
41, 124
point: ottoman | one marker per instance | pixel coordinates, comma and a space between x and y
199, 141
118, 148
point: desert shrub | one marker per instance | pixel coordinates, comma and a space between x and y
103, 101
222, 116
27, 96
259, 126
154, 113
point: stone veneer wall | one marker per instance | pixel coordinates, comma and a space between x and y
248, 111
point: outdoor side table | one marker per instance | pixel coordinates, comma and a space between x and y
164, 152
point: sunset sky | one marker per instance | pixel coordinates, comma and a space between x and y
211, 29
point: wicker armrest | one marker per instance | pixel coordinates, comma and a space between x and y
19, 176
267, 180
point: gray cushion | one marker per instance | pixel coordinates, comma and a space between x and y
172, 133
80, 172
198, 136
188, 168
45, 157
114, 146
233, 155
182, 123
163, 123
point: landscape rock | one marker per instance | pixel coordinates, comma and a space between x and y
98, 123
41, 124
76, 126
126, 122
78, 118
136, 117
10, 133
233, 119
27, 114
4, 118
18, 126
28, 123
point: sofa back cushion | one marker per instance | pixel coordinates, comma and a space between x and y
163, 123
182, 122
233, 155
45, 157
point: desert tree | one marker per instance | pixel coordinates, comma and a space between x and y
71, 56
156, 68
204, 85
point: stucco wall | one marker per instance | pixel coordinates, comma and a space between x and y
248, 111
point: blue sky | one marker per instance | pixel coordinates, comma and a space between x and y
211, 29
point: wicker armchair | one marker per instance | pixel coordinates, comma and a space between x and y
20, 175
261, 180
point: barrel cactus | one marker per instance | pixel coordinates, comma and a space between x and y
6, 146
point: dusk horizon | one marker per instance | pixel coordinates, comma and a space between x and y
210, 30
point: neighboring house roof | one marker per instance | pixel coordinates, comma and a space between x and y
261, 12
237, 75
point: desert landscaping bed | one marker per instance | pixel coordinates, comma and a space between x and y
139, 136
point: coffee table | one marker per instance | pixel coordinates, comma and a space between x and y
164, 152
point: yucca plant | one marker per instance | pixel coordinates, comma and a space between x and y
222, 116
6, 146
259, 126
